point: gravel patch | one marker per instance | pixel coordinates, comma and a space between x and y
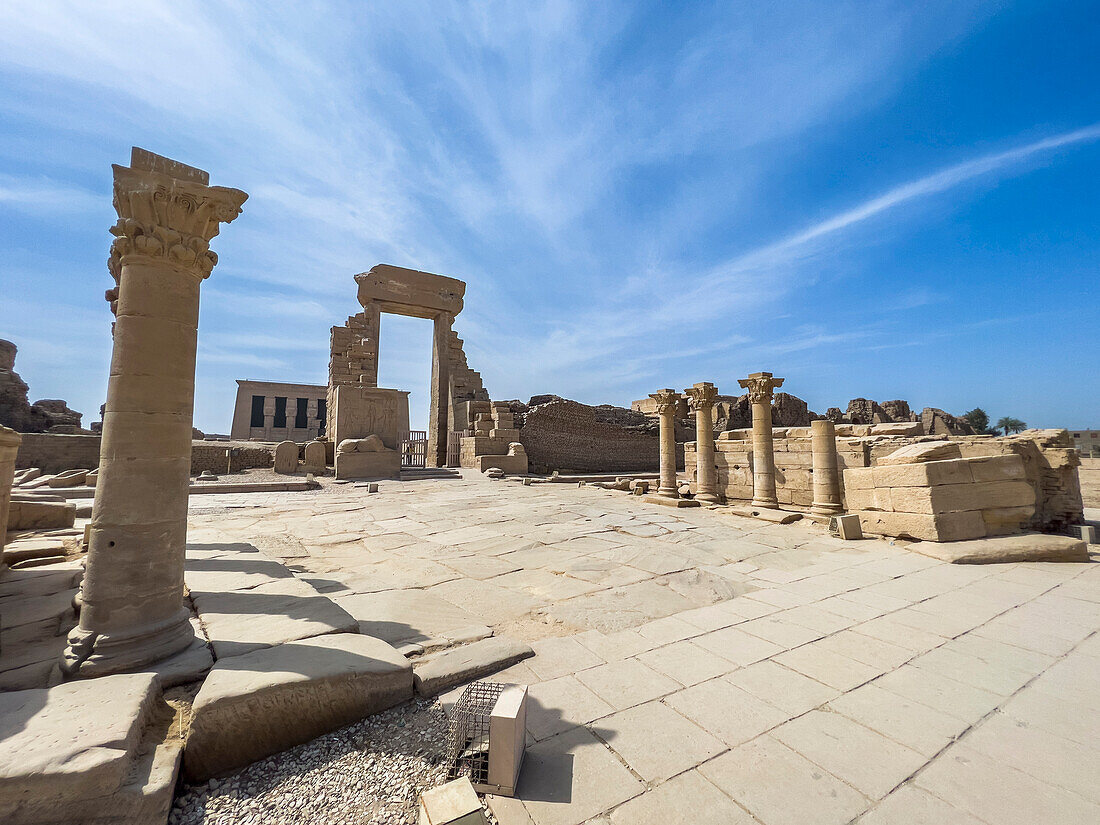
369, 773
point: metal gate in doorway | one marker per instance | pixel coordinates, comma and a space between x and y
454, 448
414, 448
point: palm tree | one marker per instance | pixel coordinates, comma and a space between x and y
1011, 424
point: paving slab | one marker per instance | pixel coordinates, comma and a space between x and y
656, 741
263, 702
688, 799
440, 671
285, 610
401, 617
627, 683
725, 711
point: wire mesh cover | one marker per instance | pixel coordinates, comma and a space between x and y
468, 737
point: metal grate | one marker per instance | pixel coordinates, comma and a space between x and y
468, 737
414, 448
454, 448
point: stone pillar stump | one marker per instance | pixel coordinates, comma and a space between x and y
826, 471
761, 387
132, 611
702, 397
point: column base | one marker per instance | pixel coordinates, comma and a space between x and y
826, 509
708, 498
766, 503
671, 502
90, 654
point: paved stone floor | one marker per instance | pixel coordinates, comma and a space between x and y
694, 666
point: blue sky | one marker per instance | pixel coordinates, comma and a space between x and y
869, 199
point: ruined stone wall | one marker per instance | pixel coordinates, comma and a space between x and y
793, 463
54, 453
566, 435
18, 413
210, 455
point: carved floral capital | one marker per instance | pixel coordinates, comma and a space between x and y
761, 387
702, 395
164, 217
666, 399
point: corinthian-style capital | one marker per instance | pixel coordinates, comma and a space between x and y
168, 210
760, 385
702, 395
666, 399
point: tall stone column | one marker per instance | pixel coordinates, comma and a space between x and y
761, 386
132, 611
439, 414
9, 447
826, 472
702, 397
667, 399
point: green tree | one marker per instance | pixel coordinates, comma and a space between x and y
1009, 424
978, 419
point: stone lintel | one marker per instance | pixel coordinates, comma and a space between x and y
146, 161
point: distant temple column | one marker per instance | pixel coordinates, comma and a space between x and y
702, 397
132, 611
826, 472
439, 418
761, 386
667, 400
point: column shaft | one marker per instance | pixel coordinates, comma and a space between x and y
826, 470
439, 414
702, 397
668, 487
763, 456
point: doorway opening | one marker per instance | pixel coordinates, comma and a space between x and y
405, 363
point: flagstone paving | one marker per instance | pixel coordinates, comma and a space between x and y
695, 666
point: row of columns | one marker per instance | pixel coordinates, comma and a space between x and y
761, 387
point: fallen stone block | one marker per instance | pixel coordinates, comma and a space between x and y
22, 477
266, 701
1003, 549
25, 513
455, 803
925, 451
64, 747
665, 501
440, 671
940, 527
766, 514
69, 478
847, 527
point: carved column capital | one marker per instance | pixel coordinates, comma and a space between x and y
166, 210
666, 399
702, 395
761, 386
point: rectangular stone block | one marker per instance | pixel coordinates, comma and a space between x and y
941, 527
1004, 521
929, 474
385, 464
847, 526
997, 468
859, 478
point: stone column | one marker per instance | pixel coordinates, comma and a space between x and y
132, 611
438, 415
667, 399
702, 397
9, 447
761, 386
826, 472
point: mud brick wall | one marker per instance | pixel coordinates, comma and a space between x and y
53, 453
210, 455
565, 435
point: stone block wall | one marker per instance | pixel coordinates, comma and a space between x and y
793, 463
54, 453
950, 500
566, 435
